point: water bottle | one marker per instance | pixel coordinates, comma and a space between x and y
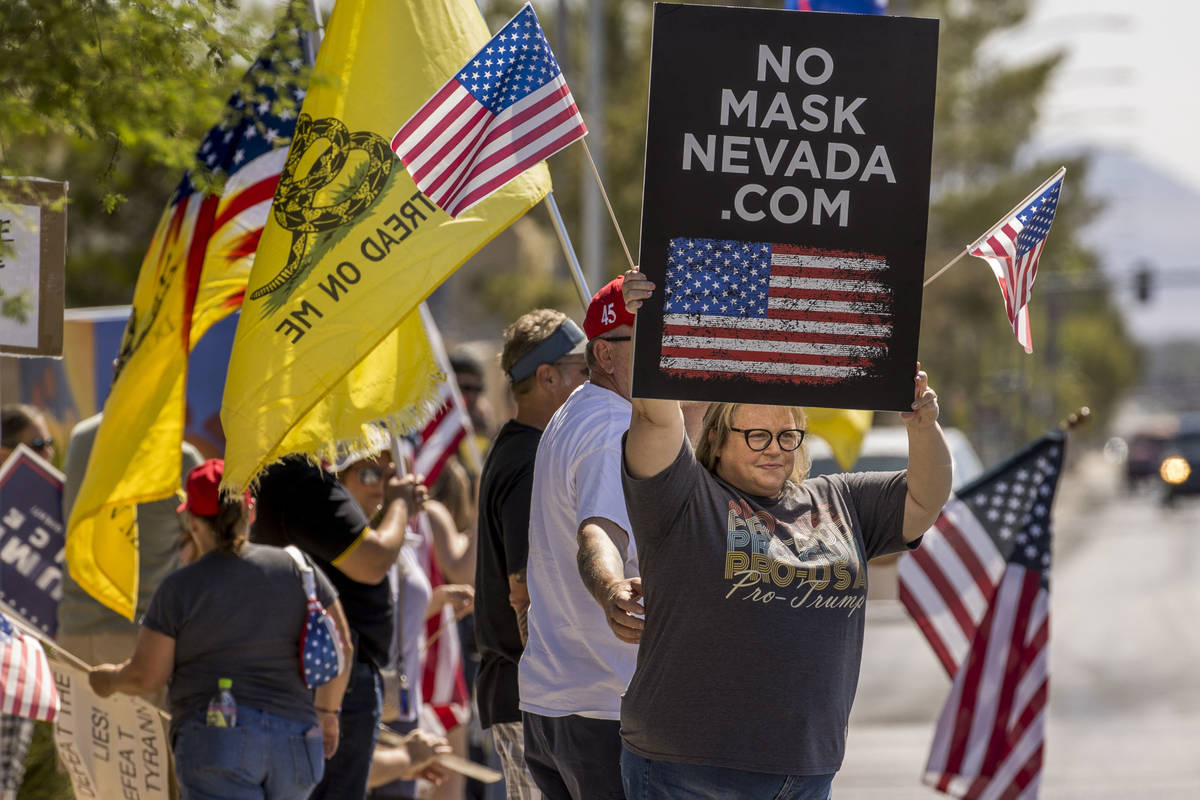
222, 709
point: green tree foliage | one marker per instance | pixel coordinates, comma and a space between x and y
113, 96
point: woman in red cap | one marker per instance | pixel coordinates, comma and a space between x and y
237, 612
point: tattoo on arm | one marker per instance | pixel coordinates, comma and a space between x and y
523, 610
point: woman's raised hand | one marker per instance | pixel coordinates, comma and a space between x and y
635, 289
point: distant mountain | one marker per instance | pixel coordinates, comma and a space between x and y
1150, 217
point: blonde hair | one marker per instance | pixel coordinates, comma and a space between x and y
523, 336
718, 422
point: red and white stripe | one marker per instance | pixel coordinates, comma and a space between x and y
989, 739
828, 318
26, 682
948, 582
1015, 275
458, 152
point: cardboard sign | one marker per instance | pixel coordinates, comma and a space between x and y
33, 254
784, 208
111, 747
32, 539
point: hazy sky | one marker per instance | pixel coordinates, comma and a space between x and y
1130, 79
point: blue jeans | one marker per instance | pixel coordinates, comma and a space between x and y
264, 757
647, 779
346, 773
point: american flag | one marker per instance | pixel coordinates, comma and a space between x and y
1012, 249
507, 109
773, 312
26, 682
978, 588
216, 215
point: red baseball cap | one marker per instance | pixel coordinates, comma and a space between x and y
204, 489
607, 310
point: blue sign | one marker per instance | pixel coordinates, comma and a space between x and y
32, 539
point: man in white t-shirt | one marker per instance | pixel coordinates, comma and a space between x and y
583, 578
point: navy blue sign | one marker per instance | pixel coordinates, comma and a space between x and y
32, 538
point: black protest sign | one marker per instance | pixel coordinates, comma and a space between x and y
785, 204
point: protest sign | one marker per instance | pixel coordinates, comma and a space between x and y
31, 538
110, 747
784, 207
33, 254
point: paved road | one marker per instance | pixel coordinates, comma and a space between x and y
1124, 718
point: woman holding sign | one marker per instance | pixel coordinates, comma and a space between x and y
755, 581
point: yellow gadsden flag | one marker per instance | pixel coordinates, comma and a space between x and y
843, 429
330, 336
193, 275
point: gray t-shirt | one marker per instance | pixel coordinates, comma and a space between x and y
237, 617
754, 615
159, 532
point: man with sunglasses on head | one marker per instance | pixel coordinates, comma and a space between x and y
583, 577
299, 503
756, 581
543, 358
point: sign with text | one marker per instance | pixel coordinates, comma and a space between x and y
31, 539
33, 253
784, 208
110, 747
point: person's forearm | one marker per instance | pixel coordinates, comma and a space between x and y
601, 563
390, 533
453, 550
127, 679
657, 412
929, 468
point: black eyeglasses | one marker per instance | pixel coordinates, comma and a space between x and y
369, 476
759, 439
616, 338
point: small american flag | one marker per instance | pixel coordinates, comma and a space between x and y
1012, 249
26, 682
773, 312
507, 109
978, 588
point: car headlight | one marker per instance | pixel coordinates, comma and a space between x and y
1175, 470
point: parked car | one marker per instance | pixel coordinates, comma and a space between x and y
885, 449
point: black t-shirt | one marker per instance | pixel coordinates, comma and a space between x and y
299, 503
504, 491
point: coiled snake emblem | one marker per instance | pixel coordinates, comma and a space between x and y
294, 206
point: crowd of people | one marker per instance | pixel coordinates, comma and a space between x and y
663, 605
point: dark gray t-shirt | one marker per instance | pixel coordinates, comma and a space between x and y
754, 615
237, 617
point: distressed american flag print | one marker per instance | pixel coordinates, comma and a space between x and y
773, 312
978, 588
507, 109
1012, 249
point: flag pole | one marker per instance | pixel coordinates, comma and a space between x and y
611, 214
1058, 174
312, 42
564, 239
952, 262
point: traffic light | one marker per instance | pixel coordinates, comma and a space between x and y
1143, 283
